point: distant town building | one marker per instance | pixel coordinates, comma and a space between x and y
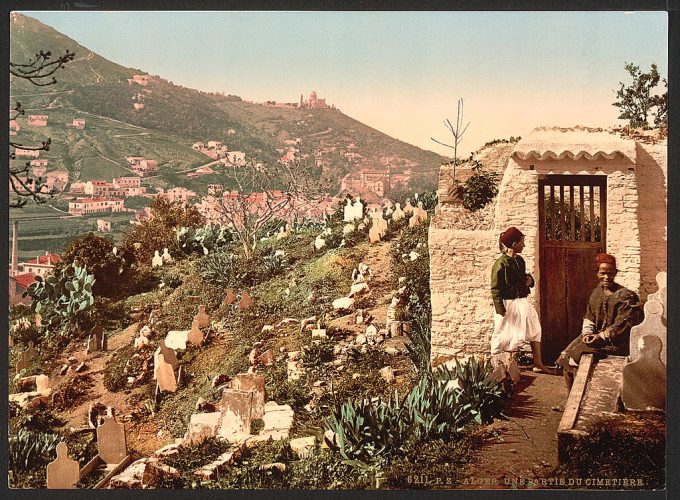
138, 105
42, 265
85, 206
139, 79
176, 194
236, 158
379, 181
13, 127
141, 166
34, 153
78, 123
38, 120
41, 162
231, 131
103, 226
214, 189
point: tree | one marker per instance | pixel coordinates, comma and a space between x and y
638, 99
159, 231
40, 72
455, 190
263, 194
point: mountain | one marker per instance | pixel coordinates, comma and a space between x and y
159, 120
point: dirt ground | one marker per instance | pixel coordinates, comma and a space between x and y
524, 447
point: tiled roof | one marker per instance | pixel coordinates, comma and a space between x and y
24, 280
575, 143
45, 260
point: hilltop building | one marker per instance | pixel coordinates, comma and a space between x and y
78, 123
86, 206
142, 167
13, 127
139, 79
379, 181
314, 102
38, 120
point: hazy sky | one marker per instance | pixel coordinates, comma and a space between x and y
399, 72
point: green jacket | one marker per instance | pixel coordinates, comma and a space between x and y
508, 280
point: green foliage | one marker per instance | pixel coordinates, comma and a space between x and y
480, 188
111, 271
136, 202
478, 387
197, 454
120, 367
158, 232
419, 348
38, 420
62, 296
291, 392
29, 450
205, 240
638, 99
72, 392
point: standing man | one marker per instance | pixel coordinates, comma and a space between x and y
612, 311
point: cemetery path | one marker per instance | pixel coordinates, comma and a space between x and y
524, 447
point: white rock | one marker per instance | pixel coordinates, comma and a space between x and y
387, 374
343, 303
177, 339
360, 340
358, 289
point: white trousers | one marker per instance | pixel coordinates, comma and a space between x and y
520, 324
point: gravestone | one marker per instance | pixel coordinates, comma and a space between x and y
166, 256
195, 335
653, 324
26, 357
202, 318
156, 260
111, 443
165, 375
230, 298
236, 407
63, 473
644, 380
374, 233
252, 382
319, 243
42, 383
419, 216
398, 213
95, 341
348, 214
408, 208
38, 320
245, 301
388, 203
358, 209
168, 355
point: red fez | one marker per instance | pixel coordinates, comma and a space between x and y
605, 258
511, 236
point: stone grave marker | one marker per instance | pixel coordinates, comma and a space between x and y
374, 233
38, 320
644, 380
408, 208
166, 256
252, 382
165, 375
236, 406
202, 318
63, 473
245, 302
111, 443
96, 340
195, 335
653, 324
230, 298
42, 383
347, 214
26, 357
398, 213
358, 209
157, 260
168, 355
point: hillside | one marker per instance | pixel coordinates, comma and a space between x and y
175, 117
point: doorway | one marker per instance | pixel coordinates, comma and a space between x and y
572, 231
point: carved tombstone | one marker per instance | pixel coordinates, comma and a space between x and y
111, 443
157, 260
202, 318
165, 375
26, 357
42, 383
195, 335
644, 380
96, 340
374, 232
230, 298
382, 223
166, 256
168, 355
653, 324
63, 473
358, 209
398, 213
245, 302
347, 214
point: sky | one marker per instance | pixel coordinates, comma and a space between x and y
399, 72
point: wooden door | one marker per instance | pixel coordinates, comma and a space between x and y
572, 231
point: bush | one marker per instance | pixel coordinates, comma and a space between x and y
38, 420
120, 367
72, 392
480, 188
29, 450
203, 240
479, 388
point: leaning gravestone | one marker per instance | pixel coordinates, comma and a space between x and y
644, 380
230, 298
63, 473
26, 357
195, 335
42, 383
165, 375
111, 443
245, 302
202, 318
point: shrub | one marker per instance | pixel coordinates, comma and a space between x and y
63, 296
72, 392
39, 420
202, 240
29, 450
480, 188
479, 388
120, 367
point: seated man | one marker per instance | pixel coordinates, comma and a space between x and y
612, 311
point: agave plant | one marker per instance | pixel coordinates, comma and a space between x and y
28, 450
